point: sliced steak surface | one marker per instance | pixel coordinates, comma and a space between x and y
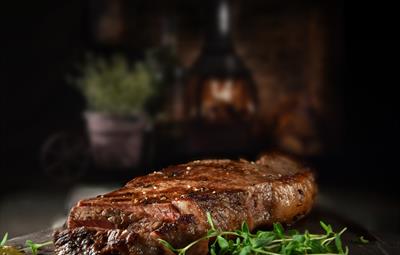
172, 204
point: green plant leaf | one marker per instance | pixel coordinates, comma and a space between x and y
263, 239
363, 240
116, 86
275, 242
210, 220
338, 243
326, 227
213, 250
245, 227
298, 238
4, 240
222, 242
167, 245
36, 246
245, 250
278, 229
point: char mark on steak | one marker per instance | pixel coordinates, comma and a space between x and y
172, 204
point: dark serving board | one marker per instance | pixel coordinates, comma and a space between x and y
378, 245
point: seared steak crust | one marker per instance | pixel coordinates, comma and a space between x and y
171, 204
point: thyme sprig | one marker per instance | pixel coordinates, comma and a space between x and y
274, 242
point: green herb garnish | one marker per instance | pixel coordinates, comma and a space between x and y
4, 240
363, 240
275, 242
36, 246
12, 250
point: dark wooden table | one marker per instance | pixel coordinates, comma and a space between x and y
378, 245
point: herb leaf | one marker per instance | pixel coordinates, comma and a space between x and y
4, 240
168, 245
36, 246
338, 244
275, 242
278, 229
363, 240
327, 228
210, 221
222, 242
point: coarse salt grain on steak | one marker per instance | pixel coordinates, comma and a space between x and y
171, 204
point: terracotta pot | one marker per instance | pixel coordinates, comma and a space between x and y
116, 141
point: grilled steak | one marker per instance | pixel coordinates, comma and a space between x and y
171, 204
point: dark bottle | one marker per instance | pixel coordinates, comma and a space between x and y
219, 87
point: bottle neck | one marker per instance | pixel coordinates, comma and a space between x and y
218, 39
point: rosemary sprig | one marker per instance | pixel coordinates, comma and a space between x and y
275, 242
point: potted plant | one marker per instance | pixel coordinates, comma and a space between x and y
116, 93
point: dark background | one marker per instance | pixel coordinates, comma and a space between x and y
43, 39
